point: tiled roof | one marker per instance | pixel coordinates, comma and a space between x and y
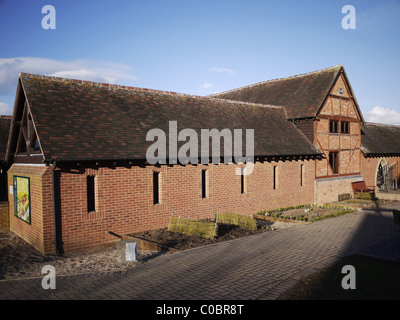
81, 120
380, 139
302, 95
5, 122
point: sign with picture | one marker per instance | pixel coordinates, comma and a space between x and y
22, 198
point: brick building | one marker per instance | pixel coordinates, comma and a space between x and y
5, 122
77, 164
381, 155
323, 106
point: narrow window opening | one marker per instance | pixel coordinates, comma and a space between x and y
91, 202
301, 174
275, 176
242, 180
204, 184
156, 187
334, 161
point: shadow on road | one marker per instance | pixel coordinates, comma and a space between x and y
374, 252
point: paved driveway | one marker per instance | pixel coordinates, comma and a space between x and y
257, 267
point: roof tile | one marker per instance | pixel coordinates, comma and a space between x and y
301, 95
378, 139
81, 120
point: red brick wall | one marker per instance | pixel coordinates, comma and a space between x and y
124, 197
39, 232
4, 216
370, 166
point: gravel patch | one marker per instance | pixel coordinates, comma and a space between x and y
18, 259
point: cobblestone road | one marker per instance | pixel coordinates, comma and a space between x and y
256, 267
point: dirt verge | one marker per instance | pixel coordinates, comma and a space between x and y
18, 259
225, 232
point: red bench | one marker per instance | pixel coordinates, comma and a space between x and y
359, 186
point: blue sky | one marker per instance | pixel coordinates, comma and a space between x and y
202, 47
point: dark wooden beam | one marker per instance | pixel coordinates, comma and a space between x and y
33, 159
338, 118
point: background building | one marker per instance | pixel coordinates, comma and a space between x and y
77, 163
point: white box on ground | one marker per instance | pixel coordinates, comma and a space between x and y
131, 252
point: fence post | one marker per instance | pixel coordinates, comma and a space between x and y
177, 224
187, 221
170, 219
216, 224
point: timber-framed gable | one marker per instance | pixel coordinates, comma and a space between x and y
337, 132
23, 140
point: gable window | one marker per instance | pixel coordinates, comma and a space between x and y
345, 127
334, 161
27, 142
156, 187
333, 126
203, 184
36, 146
91, 193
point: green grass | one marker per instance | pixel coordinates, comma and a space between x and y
240, 220
280, 212
376, 279
203, 228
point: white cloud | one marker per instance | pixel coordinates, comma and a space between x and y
5, 108
383, 115
78, 69
76, 74
205, 85
227, 71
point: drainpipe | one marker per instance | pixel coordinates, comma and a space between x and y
54, 207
